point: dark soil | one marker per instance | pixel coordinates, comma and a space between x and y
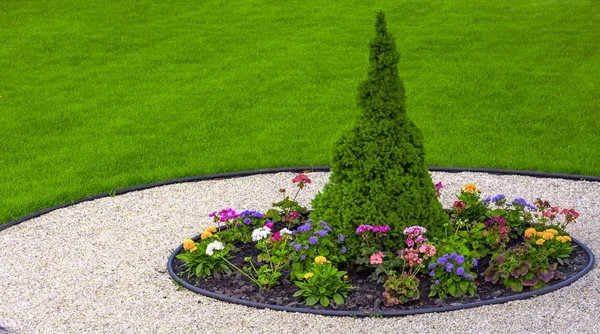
366, 296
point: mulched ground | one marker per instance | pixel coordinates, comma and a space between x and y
366, 296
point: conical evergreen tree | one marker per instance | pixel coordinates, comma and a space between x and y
378, 174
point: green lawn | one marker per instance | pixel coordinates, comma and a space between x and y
98, 95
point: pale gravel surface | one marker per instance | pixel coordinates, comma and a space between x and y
100, 266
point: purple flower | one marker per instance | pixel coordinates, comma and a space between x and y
521, 201
291, 244
247, 221
325, 226
212, 214
466, 275
460, 259
303, 257
342, 238
487, 201
432, 273
453, 255
441, 260
460, 271
431, 266
322, 233
313, 240
437, 282
306, 247
449, 267
363, 228
298, 246
497, 198
475, 262
343, 249
471, 277
304, 228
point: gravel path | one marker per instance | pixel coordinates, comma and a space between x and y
100, 266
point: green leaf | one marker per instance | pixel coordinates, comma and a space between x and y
464, 286
312, 300
298, 293
322, 289
338, 299
452, 289
324, 301
199, 269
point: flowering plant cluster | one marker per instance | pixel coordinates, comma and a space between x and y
205, 257
452, 275
314, 256
322, 283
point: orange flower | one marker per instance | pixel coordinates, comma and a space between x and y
540, 234
205, 235
212, 229
540, 241
530, 232
551, 230
548, 235
308, 275
189, 245
568, 238
470, 187
561, 239
320, 259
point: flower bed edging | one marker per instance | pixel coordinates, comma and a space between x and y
519, 296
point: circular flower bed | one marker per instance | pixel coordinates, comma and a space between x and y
493, 251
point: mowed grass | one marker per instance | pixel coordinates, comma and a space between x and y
99, 95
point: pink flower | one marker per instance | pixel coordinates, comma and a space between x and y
377, 258
363, 228
277, 236
409, 242
269, 225
459, 205
302, 178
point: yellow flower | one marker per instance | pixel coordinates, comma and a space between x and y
470, 187
530, 232
540, 234
548, 235
540, 241
345, 276
568, 238
320, 259
189, 245
308, 275
205, 235
551, 230
212, 229
561, 239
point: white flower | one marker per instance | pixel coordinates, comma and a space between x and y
260, 233
285, 231
215, 245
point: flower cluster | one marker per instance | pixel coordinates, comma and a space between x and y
470, 187
215, 245
189, 245
209, 232
377, 258
438, 187
451, 275
261, 233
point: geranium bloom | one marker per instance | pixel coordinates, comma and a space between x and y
470, 187
302, 178
215, 245
529, 232
268, 224
377, 258
364, 228
308, 275
189, 245
285, 231
260, 233
459, 205
320, 259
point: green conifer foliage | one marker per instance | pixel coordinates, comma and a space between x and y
378, 174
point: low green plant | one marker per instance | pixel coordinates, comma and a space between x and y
399, 290
469, 207
322, 283
521, 266
313, 239
451, 275
204, 258
549, 242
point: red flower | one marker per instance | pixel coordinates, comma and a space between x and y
302, 178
